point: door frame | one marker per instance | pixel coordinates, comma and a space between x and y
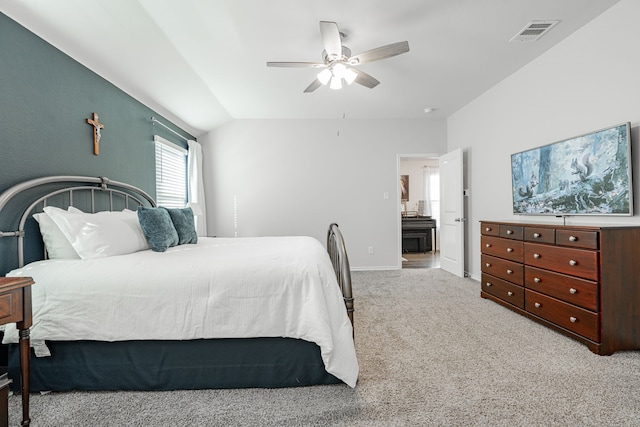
399, 158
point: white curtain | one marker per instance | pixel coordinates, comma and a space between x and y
431, 177
195, 194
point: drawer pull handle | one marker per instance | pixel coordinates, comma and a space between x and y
510, 293
487, 229
509, 231
487, 265
537, 279
537, 305
509, 271
573, 239
489, 284
488, 245
536, 256
573, 262
536, 235
573, 319
573, 291
509, 249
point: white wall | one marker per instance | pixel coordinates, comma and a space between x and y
587, 82
295, 177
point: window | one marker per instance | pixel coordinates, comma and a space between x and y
432, 191
434, 183
171, 174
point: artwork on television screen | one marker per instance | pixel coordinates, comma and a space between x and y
586, 175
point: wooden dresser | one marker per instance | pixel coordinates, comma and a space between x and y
581, 281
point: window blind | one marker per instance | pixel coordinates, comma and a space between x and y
171, 174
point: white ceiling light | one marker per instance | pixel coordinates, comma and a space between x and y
350, 75
324, 76
335, 73
338, 70
336, 83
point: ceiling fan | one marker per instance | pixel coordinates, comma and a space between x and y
338, 63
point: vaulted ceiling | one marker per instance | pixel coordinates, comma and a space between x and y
202, 63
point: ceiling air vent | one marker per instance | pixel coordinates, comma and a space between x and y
533, 31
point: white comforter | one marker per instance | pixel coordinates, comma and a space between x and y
219, 288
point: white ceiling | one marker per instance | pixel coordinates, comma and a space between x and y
202, 63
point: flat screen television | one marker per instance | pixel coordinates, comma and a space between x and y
589, 174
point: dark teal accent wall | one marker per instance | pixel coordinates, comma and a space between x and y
45, 99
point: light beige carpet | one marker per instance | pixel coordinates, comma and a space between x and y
431, 353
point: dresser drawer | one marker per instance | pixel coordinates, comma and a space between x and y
575, 262
506, 291
575, 319
489, 229
577, 239
504, 269
540, 235
580, 292
11, 307
511, 231
503, 248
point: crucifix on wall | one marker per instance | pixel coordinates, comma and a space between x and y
97, 126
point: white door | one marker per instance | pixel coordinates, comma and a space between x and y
452, 213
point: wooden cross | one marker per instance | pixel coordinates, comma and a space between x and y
97, 126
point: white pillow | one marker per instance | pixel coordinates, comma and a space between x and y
57, 245
100, 234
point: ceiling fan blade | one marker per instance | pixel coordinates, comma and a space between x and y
296, 64
379, 53
331, 39
365, 79
313, 86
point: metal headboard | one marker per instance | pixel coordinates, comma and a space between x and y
72, 185
338, 255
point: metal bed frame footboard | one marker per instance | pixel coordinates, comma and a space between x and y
90, 186
338, 255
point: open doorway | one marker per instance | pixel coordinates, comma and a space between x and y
419, 211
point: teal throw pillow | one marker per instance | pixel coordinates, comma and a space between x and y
158, 228
184, 224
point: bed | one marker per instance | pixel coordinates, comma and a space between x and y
210, 313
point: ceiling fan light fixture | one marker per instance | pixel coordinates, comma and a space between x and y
339, 70
324, 76
337, 60
350, 75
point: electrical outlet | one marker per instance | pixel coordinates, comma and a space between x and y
370, 250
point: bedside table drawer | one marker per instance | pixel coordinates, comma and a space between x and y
11, 307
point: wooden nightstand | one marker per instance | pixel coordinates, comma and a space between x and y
15, 307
